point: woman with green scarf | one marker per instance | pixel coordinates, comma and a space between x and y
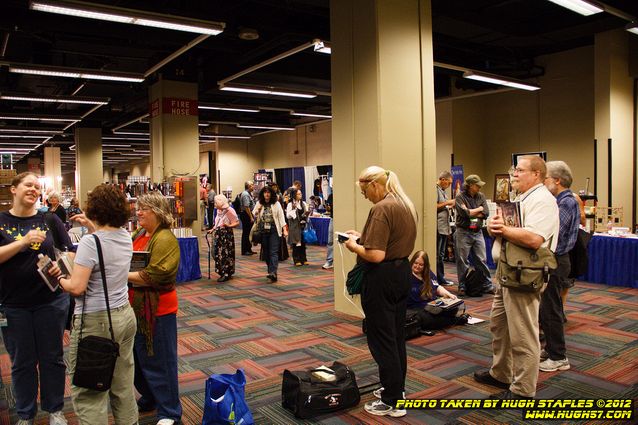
154, 300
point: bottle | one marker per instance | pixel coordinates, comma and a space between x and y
609, 226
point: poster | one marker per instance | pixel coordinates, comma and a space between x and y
457, 180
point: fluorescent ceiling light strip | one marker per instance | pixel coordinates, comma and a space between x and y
266, 127
125, 138
35, 118
632, 27
58, 71
579, 6
203, 124
29, 130
495, 79
132, 132
116, 146
212, 136
22, 136
323, 47
304, 114
268, 90
229, 108
56, 99
127, 16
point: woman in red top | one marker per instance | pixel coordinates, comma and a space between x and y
154, 300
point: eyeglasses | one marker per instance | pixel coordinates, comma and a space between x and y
521, 170
364, 186
145, 209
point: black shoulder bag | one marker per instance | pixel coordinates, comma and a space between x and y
96, 355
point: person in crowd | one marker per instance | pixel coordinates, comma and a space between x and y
471, 210
514, 316
210, 200
558, 181
425, 288
154, 300
56, 207
35, 316
288, 195
277, 190
443, 230
384, 245
272, 225
107, 210
222, 229
246, 217
330, 252
316, 188
297, 215
73, 210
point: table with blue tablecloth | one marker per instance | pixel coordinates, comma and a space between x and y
613, 261
189, 259
320, 224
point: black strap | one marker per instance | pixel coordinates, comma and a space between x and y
106, 293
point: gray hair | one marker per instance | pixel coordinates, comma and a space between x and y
445, 175
222, 199
55, 195
159, 205
561, 171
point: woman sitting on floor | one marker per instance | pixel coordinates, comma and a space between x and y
423, 289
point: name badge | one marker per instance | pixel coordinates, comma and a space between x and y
266, 226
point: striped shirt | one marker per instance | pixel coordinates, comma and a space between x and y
569, 214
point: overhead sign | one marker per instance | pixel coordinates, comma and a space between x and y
174, 106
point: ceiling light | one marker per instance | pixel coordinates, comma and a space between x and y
203, 124
127, 16
219, 136
59, 71
323, 47
268, 90
266, 127
56, 99
116, 146
308, 114
22, 136
632, 27
132, 132
229, 108
141, 139
29, 130
583, 7
497, 79
52, 118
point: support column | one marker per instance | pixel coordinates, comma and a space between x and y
175, 136
88, 159
613, 87
383, 111
53, 167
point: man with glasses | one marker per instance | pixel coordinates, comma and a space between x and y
442, 224
514, 317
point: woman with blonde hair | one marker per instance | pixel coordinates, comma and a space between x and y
222, 228
383, 246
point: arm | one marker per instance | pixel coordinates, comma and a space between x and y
291, 211
581, 207
134, 277
234, 221
78, 282
440, 206
8, 251
516, 235
369, 255
81, 218
442, 292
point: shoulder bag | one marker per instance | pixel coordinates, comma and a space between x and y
525, 269
96, 355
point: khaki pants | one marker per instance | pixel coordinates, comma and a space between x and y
90, 406
515, 345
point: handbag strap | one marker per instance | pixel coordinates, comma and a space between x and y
98, 245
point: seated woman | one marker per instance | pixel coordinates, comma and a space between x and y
423, 289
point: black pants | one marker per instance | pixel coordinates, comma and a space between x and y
430, 322
383, 298
246, 224
441, 250
299, 252
551, 309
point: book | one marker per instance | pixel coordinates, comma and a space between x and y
139, 260
324, 373
446, 303
511, 212
44, 265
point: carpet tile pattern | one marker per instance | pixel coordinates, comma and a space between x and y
265, 328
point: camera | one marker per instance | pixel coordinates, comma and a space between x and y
342, 237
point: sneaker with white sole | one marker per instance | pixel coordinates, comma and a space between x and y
327, 266
24, 422
166, 421
550, 365
379, 408
57, 418
378, 392
544, 355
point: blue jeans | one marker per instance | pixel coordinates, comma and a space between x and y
466, 243
270, 246
441, 245
156, 376
33, 339
330, 254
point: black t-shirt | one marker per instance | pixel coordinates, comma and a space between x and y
20, 283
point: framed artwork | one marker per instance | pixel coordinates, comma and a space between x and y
502, 188
515, 156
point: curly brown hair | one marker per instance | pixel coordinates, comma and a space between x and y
107, 205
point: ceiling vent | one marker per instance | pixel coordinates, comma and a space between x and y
248, 33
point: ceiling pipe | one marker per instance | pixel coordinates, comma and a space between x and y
5, 44
175, 54
134, 120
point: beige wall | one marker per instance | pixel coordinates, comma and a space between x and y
444, 139
313, 144
236, 161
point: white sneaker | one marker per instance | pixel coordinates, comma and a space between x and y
544, 355
379, 408
166, 422
57, 418
550, 365
327, 266
377, 393
24, 422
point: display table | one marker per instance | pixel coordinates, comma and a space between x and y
613, 261
320, 224
189, 259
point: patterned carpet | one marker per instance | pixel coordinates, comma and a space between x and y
265, 328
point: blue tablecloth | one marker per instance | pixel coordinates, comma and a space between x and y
613, 261
189, 260
320, 224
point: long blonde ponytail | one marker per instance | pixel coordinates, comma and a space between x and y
391, 182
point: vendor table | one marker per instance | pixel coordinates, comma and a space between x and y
320, 224
189, 259
613, 261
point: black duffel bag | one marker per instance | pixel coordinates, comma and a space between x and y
307, 396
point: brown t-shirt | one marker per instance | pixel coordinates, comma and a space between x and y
389, 228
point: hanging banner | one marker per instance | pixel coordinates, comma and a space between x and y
457, 179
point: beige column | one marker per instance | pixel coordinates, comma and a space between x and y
53, 167
175, 136
88, 160
383, 112
613, 87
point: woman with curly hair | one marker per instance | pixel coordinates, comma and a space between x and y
271, 225
107, 211
154, 300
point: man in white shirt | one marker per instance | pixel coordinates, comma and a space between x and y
514, 317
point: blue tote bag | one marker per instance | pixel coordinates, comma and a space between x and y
309, 235
225, 402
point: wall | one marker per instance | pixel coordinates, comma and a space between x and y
313, 144
237, 160
444, 138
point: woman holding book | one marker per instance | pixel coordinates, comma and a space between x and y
35, 316
154, 300
424, 289
297, 215
107, 210
225, 220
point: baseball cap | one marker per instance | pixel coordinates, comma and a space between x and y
474, 179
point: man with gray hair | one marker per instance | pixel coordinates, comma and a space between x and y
246, 216
443, 205
558, 181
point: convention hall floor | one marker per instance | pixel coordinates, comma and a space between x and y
266, 328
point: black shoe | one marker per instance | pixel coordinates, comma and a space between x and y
508, 395
484, 377
223, 279
272, 277
462, 319
143, 406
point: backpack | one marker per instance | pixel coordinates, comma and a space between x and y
237, 203
474, 281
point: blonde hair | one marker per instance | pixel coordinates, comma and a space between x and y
391, 182
223, 199
159, 205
